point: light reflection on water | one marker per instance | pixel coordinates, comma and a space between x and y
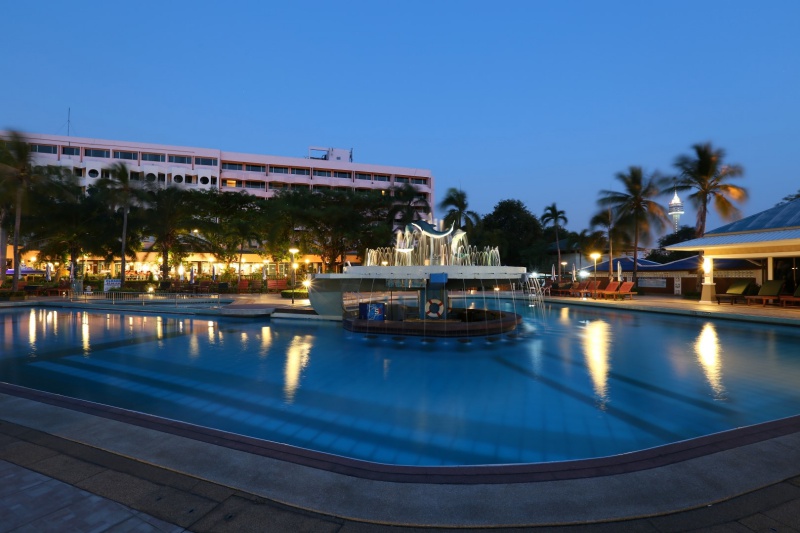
573, 383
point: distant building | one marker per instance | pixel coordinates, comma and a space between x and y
206, 168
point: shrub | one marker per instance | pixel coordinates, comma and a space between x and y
299, 294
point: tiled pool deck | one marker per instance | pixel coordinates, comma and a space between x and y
71, 466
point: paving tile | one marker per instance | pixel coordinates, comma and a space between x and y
212, 491
66, 468
731, 527
89, 513
122, 488
11, 429
14, 478
26, 506
728, 511
762, 522
237, 515
787, 513
176, 506
5, 440
24, 453
145, 524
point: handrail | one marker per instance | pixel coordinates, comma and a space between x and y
143, 298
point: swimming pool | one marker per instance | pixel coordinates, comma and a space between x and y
575, 383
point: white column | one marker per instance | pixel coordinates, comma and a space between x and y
709, 292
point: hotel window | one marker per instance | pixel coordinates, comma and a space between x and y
381, 177
343, 175
70, 150
274, 185
177, 179
278, 170
130, 156
44, 149
360, 176
105, 173
182, 159
204, 180
93, 152
400, 179
419, 181
231, 183
231, 166
151, 177
254, 184
158, 158
301, 171
137, 176
205, 161
78, 172
255, 168
323, 173
213, 180
93, 173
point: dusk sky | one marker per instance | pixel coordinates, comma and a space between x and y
537, 101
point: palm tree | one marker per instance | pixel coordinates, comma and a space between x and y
20, 177
705, 172
121, 192
636, 208
170, 222
408, 204
553, 215
615, 235
456, 201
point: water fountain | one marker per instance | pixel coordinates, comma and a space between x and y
420, 272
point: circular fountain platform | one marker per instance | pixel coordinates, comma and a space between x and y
469, 323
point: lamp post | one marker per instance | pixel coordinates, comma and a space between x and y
595, 256
560, 272
293, 251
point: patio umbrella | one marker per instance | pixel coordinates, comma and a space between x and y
619, 271
72, 271
191, 275
574, 273
47, 272
263, 273
213, 273
553, 273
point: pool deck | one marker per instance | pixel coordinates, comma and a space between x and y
71, 465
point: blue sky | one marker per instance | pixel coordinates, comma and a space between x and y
537, 101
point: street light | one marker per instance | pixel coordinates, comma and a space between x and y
595, 256
563, 268
294, 270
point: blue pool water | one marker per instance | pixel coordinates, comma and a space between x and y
575, 383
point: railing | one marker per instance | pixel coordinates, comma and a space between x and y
144, 298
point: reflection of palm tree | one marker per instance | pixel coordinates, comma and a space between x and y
634, 207
705, 173
456, 201
554, 215
121, 192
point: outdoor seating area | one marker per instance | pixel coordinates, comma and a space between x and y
770, 291
736, 291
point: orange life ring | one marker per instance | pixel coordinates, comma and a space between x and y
434, 308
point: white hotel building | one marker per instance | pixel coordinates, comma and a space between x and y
207, 168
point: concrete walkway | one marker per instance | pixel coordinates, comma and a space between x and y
68, 466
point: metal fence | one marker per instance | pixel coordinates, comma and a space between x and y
145, 298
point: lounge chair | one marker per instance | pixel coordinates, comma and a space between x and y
563, 289
736, 291
580, 289
611, 288
589, 290
626, 289
769, 291
794, 298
